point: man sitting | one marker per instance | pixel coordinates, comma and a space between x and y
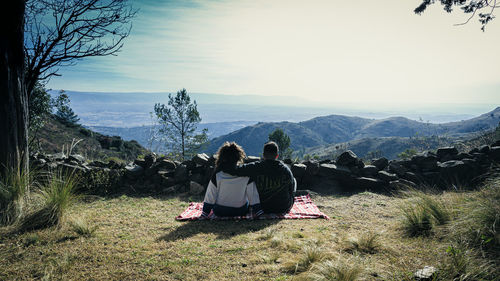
275, 182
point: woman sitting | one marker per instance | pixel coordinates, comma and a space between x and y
229, 195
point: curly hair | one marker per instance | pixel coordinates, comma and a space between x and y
229, 154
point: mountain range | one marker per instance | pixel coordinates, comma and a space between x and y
335, 129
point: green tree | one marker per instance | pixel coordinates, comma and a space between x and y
283, 141
178, 121
40, 107
64, 113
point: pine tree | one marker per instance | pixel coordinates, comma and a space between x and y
64, 113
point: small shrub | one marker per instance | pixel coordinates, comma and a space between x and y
55, 198
367, 243
82, 227
311, 255
340, 271
416, 221
460, 264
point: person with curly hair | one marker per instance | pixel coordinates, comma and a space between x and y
229, 195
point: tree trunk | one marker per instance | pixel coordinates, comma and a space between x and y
13, 98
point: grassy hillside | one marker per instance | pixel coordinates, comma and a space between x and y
335, 129
367, 238
55, 137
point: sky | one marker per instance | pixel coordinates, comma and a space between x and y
328, 51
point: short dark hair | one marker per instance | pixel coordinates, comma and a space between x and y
230, 153
270, 150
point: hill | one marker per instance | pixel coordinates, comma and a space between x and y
335, 129
56, 137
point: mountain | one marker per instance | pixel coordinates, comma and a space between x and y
333, 129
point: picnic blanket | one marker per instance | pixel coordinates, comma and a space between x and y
303, 208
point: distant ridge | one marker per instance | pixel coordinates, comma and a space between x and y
333, 129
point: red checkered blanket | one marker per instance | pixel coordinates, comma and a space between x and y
303, 208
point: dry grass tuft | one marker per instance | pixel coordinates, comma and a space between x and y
338, 271
311, 254
82, 227
368, 242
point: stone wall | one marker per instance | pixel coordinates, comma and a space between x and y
444, 168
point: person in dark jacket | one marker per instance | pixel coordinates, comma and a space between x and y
275, 182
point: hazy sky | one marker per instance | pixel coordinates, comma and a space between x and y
336, 51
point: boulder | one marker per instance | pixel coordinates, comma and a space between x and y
288, 161
165, 164
201, 159
347, 158
298, 170
334, 171
446, 153
411, 177
98, 164
495, 153
369, 171
496, 143
366, 183
173, 189
195, 188
386, 176
380, 163
134, 171
453, 168
425, 161
397, 168
484, 149
199, 178
140, 162
190, 164
181, 173
463, 155
401, 183
312, 168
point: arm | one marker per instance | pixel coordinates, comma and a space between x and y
210, 198
246, 170
253, 199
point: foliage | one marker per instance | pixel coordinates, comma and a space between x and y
64, 113
81, 227
58, 33
177, 122
40, 106
14, 186
54, 199
407, 154
100, 182
483, 8
283, 141
423, 213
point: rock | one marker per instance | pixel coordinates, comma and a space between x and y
190, 164
425, 161
454, 169
134, 171
463, 155
181, 173
39, 162
140, 162
298, 170
496, 143
195, 188
411, 177
173, 189
335, 171
427, 273
484, 149
446, 153
197, 178
165, 164
288, 161
386, 176
201, 159
380, 163
312, 168
347, 158
370, 184
77, 157
396, 168
149, 160
251, 159
369, 171
495, 153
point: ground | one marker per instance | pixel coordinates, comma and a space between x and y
138, 238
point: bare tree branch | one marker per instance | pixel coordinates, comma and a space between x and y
58, 33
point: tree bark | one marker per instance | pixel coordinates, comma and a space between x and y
13, 97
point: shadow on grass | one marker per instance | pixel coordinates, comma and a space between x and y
223, 229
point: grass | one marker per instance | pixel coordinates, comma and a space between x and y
139, 239
14, 187
52, 202
368, 242
81, 227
